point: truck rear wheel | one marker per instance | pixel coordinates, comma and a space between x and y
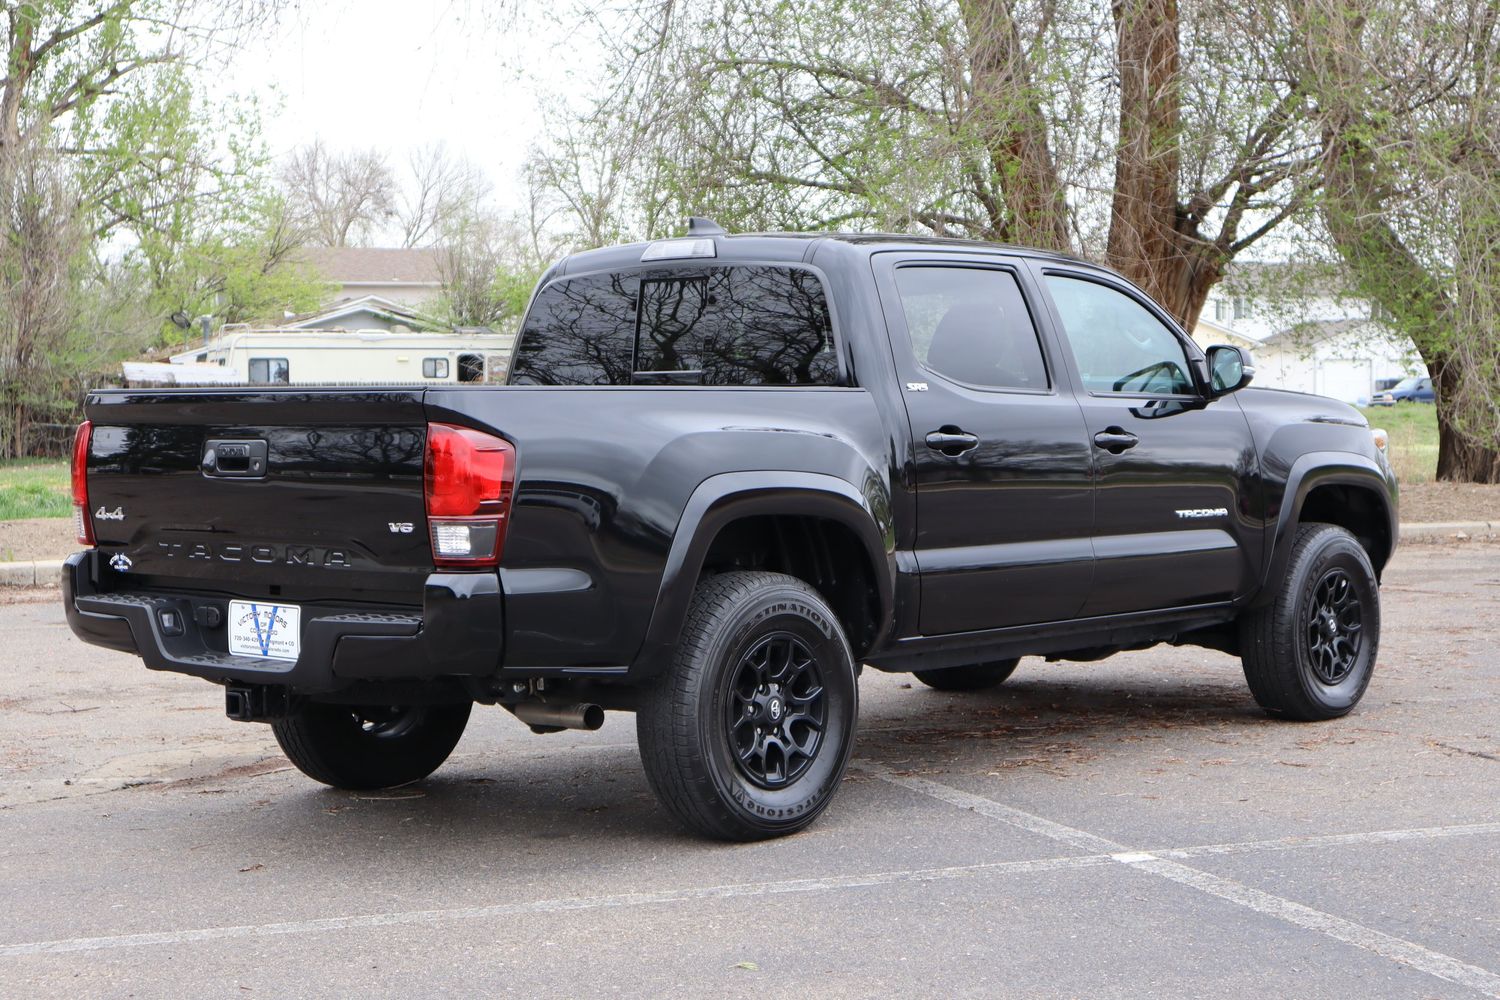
747, 734
1309, 654
971, 677
361, 747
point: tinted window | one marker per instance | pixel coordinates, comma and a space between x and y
971, 325
738, 326
1118, 344
580, 331
270, 371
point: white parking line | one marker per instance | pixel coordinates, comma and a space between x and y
1332, 840
1143, 860
1385, 945
1433, 963
627, 899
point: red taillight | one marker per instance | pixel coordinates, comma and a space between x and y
469, 476
83, 525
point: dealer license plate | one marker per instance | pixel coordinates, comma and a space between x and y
258, 628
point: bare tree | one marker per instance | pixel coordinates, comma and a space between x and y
1163, 141
339, 198
442, 190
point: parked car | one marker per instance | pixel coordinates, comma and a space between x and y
1408, 390
728, 473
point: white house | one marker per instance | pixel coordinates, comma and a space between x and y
368, 312
1305, 332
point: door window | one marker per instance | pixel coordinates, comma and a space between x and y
971, 325
1117, 342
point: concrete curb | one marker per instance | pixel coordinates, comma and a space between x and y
45, 572
1450, 531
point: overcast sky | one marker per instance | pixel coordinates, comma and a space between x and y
396, 75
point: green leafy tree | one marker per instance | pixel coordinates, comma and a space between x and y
244, 272
1409, 98
99, 124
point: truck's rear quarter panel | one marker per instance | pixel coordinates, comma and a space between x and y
604, 475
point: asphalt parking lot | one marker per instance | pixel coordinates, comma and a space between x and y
1125, 828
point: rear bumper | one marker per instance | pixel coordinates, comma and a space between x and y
457, 634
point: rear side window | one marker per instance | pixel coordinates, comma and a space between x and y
724, 326
971, 325
580, 331
738, 326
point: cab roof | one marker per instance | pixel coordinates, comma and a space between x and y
789, 247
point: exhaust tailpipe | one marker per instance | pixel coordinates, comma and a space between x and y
539, 714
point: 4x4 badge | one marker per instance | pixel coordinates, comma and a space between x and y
118, 514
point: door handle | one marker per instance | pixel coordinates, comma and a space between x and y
1115, 440
951, 441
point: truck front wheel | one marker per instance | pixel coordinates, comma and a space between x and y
361, 747
1309, 654
747, 735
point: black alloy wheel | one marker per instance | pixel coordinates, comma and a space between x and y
1333, 628
775, 710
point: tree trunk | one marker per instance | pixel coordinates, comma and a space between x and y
1461, 459
1014, 130
1152, 240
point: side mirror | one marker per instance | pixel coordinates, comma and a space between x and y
1229, 369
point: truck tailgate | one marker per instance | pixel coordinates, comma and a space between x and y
178, 495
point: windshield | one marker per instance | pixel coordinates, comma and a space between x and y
1407, 383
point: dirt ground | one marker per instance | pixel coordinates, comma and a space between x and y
36, 538
1425, 503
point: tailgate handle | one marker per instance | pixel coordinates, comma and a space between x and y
234, 459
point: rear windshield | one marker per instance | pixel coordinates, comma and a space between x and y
744, 325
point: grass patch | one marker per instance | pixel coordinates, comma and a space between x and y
1414, 438
35, 487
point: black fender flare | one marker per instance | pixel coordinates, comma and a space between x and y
727, 497
1308, 472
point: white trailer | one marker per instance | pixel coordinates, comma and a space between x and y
324, 357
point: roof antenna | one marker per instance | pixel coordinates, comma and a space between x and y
699, 226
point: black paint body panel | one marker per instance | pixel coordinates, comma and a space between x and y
1037, 541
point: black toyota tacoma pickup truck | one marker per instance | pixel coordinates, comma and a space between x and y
727, 472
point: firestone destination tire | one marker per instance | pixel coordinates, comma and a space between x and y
1310, 653
362, 747
747, 734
